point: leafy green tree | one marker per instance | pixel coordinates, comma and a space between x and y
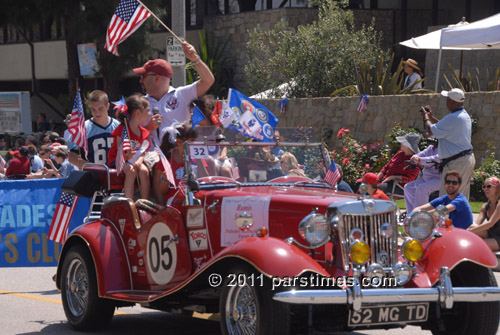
314, 59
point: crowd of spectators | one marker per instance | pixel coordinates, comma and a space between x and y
34, 156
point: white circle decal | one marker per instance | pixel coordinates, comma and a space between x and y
161, 254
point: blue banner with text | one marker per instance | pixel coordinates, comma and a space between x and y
26, 209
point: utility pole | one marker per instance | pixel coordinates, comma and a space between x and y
179, 28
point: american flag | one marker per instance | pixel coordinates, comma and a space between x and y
62, 217
332, 175
76, 126
166, 166
122, 147
128, 17
362, 103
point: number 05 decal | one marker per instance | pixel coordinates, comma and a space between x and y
161, 254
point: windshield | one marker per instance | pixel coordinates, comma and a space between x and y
254, 162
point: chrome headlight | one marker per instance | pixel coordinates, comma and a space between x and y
419, 225
315, 229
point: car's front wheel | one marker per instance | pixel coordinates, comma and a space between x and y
82, 305
250, 309
470, 317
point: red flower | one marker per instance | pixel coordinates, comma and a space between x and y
367, 166
356, 145
344, 150
364, 147
339, 134
345, 161
346, 130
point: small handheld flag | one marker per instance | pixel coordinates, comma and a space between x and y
198, 116
76, 126
363, 101
122, 148
332, 175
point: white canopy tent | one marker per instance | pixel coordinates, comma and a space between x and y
482, 34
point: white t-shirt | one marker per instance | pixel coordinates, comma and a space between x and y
173, 106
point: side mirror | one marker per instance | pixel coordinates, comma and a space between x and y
192, 183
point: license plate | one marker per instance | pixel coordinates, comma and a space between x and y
388, 314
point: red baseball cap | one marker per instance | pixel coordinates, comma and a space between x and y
14, 153
369, 178
158, 66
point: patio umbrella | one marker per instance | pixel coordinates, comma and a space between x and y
479, 35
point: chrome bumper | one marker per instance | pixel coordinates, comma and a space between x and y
444, 293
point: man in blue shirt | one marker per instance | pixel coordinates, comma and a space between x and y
454, 134
456, 203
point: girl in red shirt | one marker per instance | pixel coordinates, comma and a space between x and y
135, 112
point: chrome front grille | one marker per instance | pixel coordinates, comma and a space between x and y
383, 250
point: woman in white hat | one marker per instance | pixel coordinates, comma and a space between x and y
413, 72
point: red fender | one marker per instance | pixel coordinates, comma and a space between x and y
108, 253
453, 247
273, 257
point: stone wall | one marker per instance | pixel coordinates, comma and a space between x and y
328, 115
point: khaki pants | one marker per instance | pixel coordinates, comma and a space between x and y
465, 166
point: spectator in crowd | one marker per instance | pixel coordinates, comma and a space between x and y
290, 165
99, 129
3, 163
372, 181
31, 139
172, 147
173, 103
61, 157
454, 133
41, 124
487, 224
36, 162
413, 74
418, 191
66, 134
341, 184
18, 143
398, 169
454, 201
3, 143
20, 164
131, 115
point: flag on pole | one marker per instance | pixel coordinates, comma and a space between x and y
332, 175
198, 116
62, 217
76, 126
128, 17
227, 115
363, 101
282, 105
254, 119
122, 148
166, 166
216, 114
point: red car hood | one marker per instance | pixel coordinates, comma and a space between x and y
285, 198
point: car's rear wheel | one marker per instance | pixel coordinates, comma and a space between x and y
467, 317
250, 309
82, 305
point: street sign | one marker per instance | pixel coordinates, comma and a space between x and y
175, 55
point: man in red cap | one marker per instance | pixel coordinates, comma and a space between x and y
20, 164
172, 103
371, 180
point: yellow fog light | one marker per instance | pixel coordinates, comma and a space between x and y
412, 250
360, 252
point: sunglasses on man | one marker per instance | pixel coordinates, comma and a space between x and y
451, 182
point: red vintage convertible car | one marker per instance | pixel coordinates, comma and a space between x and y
273, 253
